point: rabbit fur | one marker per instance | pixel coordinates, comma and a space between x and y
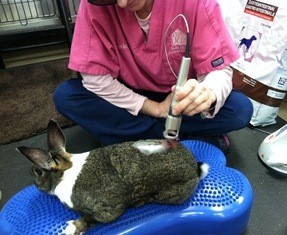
103, 183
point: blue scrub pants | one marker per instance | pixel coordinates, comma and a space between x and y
110, 124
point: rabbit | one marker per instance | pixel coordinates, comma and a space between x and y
103, 183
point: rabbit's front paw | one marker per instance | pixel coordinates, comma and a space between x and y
71, 229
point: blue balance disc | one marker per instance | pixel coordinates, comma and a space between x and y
220, 205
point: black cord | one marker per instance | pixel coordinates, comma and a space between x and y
187, 46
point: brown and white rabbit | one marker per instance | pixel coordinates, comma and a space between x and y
103, 183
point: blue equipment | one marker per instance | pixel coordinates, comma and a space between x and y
221, 205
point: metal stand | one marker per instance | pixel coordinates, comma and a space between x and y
66, 18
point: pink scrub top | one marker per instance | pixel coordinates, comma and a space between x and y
109, 40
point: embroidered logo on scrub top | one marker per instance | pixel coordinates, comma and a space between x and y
178, 41
217, 62
175, 48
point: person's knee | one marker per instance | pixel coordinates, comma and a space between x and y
243, 113
61, 97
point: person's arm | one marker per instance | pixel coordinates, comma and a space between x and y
220, 82
114, 92
199, 96
121, 96
214, 86
156, 109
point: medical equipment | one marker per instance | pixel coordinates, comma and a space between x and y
273, 150
173, 122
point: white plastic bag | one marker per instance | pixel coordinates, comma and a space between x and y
259, 29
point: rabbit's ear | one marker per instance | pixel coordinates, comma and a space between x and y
39, 157
56, 138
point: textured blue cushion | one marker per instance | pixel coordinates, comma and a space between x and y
221, 205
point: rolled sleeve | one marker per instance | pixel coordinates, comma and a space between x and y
220, 82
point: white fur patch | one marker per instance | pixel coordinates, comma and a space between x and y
204, 170
70, 229
64, 189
